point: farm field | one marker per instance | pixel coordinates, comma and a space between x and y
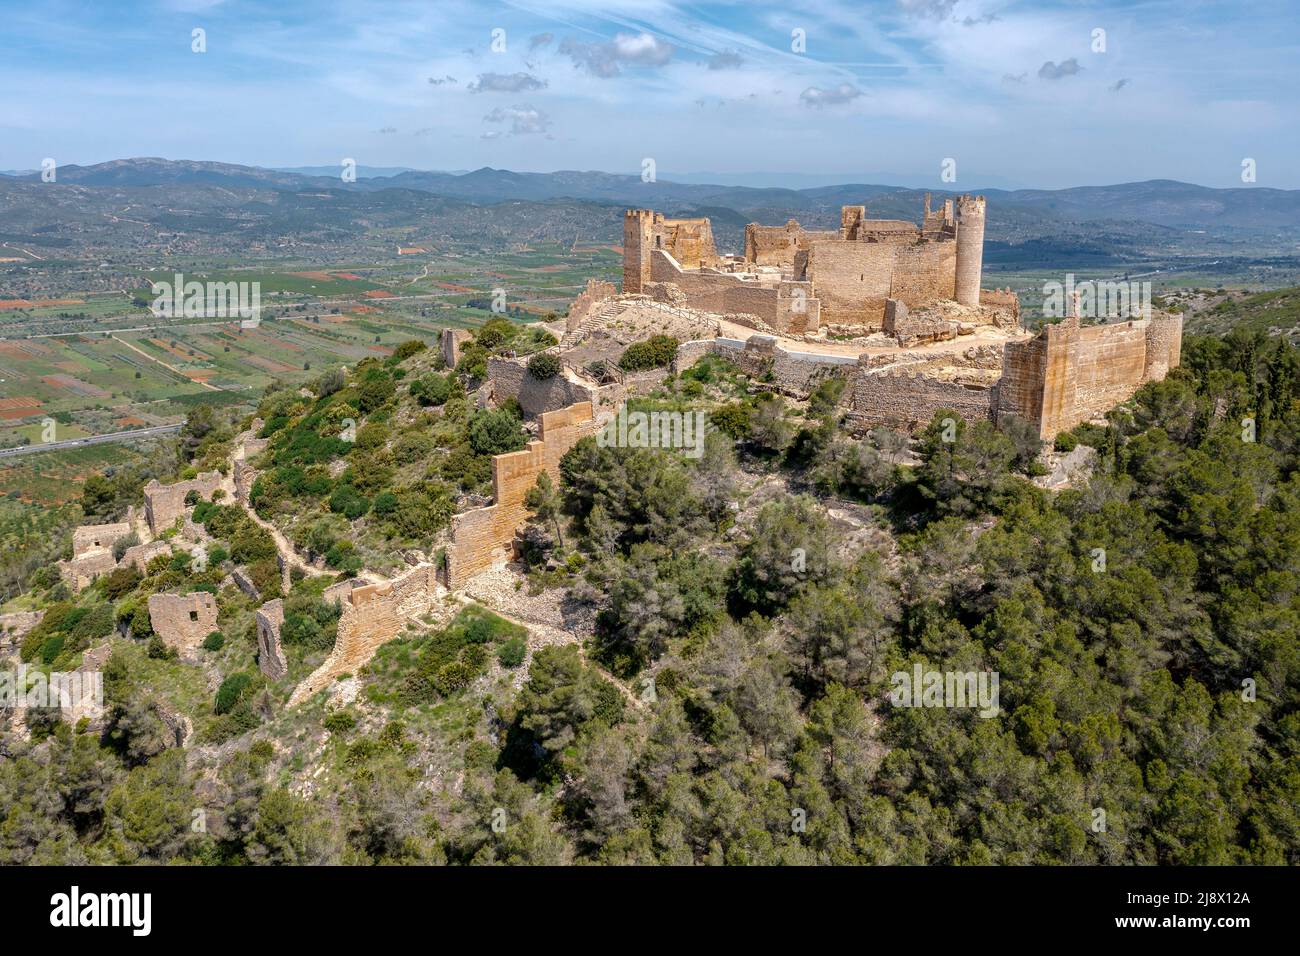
106, 363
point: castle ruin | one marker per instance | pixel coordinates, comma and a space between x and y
798, 280
908, 293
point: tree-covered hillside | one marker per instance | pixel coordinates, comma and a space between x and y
741, 617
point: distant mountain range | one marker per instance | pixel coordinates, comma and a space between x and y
1159, 202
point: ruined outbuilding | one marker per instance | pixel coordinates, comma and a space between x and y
182, 621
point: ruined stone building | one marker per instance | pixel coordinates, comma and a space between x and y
183, 620
163, 504
797, 280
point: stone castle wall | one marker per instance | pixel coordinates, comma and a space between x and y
596, 292
785, 306
373, 614
906, 401
853, 279
1068, 374
849, 273
778, 245
484, 537
688, 241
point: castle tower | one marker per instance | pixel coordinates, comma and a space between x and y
638, 232
851, 218
970, 249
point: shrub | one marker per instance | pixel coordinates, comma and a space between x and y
513, 652
214, 641
655, 352
544, 365
159, 650
495, 432
452, 677
232, 691
432, 389
340, 721
119, 583
405, 350
348, 502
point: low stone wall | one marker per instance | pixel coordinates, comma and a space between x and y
688, 353
138, 556
373, 614
763, 358
596, 292
14, 627
483, 537
245, 476
907, 401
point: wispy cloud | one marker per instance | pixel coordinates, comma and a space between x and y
523, 120
506, 83
818, 98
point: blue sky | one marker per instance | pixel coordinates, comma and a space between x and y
882, 91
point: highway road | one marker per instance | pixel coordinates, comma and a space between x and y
134, 434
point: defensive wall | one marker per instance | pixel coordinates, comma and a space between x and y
484, 537
372, 614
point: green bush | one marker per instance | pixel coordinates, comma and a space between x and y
544, 365
159, 650
495, 432
348, 502
655, 352
405, 350
431, 389
513, 652
214, 641
340, 721
232, 691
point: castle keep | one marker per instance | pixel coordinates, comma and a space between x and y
797, 280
